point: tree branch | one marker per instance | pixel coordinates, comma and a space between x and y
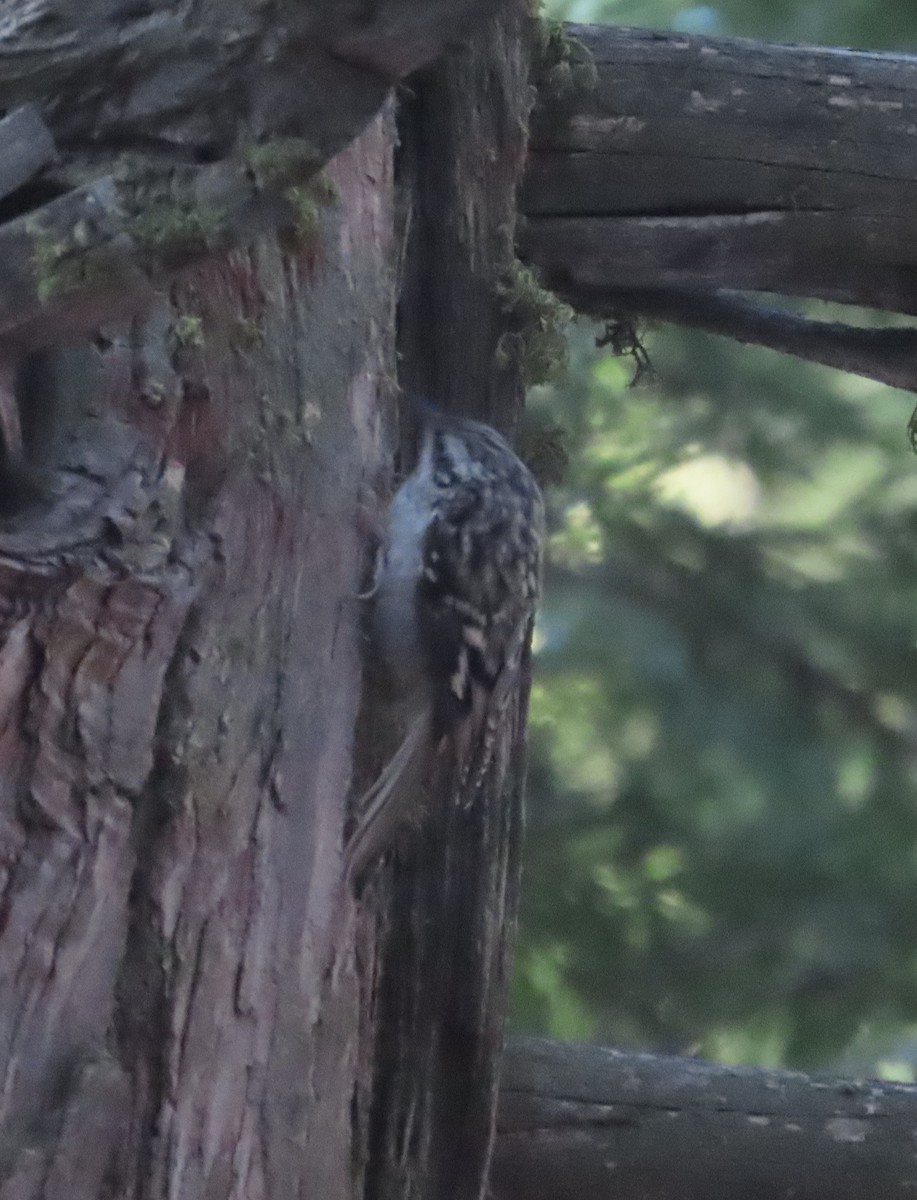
740, 165
192, 81
577, 1122
887, 354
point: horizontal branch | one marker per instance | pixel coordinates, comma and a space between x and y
794, 254
579, 1122
887, 354
721, 163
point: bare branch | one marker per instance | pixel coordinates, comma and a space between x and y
887, 354
578, 1122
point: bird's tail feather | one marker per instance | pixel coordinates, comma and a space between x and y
384, 806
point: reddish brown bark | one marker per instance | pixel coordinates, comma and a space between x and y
189, 1006
179, 680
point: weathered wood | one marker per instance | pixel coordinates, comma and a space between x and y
580, 1122
195, 81
790, 253
449, 899
745, 166
195, 121
699, 162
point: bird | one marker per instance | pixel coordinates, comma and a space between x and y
456, 587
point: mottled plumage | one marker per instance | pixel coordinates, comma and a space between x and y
481, 564
454, 597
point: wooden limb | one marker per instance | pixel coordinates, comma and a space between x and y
192, 81
887, 354
580, 1122
727, 163
791, 253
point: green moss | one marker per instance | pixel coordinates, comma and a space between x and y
288, 166
561, 65
188, 332
281, 162
535, 341
168, 227
54, 271
324, 189
306, 213
62, 263
306, 202
246, 333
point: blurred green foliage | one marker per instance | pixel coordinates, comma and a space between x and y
722, 843
867, 24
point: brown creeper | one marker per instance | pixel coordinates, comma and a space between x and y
454, 597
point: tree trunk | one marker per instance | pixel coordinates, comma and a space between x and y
181, 675
579, 1122
450, 900
190, 1005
